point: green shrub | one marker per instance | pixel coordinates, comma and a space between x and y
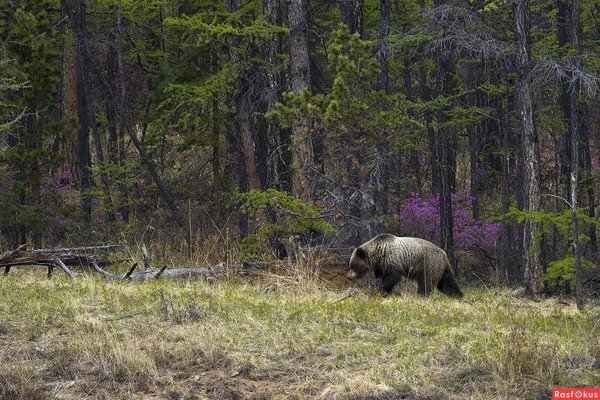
292, 217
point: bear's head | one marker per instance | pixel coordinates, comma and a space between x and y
358, 264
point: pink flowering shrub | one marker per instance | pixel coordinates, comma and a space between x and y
421, 218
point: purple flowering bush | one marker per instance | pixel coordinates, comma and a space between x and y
421, 218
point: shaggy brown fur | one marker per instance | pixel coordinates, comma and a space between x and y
391, 258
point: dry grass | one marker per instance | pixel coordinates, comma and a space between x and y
283, 337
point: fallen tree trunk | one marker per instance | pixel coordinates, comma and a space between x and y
185, 273
62, 258
85, 257
82, 249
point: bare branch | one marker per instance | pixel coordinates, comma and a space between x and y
569, 72
451, 17
462, 34
128, 274
159, 273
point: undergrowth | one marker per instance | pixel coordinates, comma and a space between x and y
283, 336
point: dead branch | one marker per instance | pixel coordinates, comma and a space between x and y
97, 268
570, 71
128, 274
462, 34
62, 266
160, 272
146, 257
124, 316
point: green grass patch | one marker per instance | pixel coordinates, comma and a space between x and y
176, 339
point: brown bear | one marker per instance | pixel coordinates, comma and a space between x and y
391, 257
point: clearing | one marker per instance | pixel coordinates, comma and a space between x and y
292, 336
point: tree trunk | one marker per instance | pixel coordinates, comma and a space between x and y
382, 190
384, 48
274, 154
562, 35
103, 175
352, 14
473, 158
473, 133
509, 267
446, 146
82, 45
415, 154
302, 151
244, 111
530, 149
216, 153
83, 107
591, 198
247, 144
432, 141
115, 143
573, 116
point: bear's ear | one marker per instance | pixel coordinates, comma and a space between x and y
360, 252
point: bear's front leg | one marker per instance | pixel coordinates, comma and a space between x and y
389, 279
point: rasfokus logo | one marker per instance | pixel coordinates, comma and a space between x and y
575, 393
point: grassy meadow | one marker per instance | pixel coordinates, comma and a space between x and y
283, 336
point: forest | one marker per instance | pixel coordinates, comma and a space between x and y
271, 128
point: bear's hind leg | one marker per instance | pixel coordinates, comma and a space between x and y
424, 286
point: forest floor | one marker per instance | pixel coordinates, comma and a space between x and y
299, 335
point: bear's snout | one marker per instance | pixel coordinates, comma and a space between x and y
352, 275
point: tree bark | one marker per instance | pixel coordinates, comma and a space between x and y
382, 191
244, 111
509, 267
530, 149
78, 13
445, 151
115, 150
300, 79
562, 34
589, 187
573, 116
274, 154
432, 140
473, 158
352, 14
384, 47
103, 175
247, 143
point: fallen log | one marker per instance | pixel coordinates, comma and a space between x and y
78, 250
62, 258
186, 273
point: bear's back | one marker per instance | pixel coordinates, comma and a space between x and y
404, 251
